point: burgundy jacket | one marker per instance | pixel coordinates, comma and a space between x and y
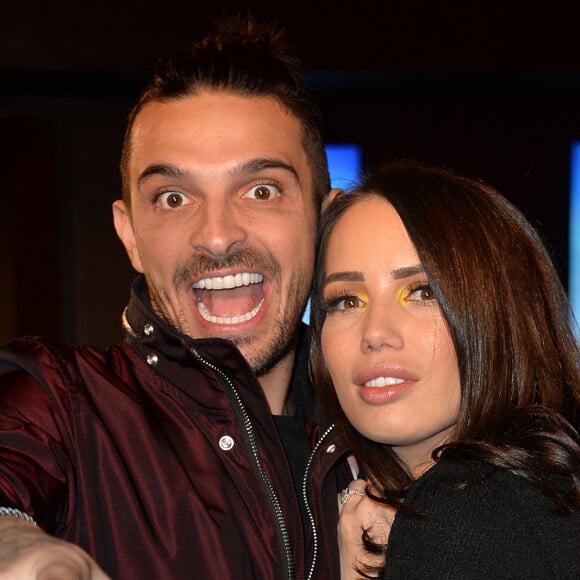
161, 459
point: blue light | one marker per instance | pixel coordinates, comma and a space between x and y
574, 248
344, 165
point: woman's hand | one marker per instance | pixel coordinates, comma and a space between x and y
357, 513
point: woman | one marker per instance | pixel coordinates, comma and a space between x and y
444, 353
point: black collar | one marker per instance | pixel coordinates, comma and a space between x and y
149, 333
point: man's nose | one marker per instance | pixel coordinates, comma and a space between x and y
220, 228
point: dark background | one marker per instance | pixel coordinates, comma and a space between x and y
490, 90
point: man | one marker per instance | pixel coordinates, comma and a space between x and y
173, 455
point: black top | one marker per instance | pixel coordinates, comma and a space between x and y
293, 436
292, 428
500, 527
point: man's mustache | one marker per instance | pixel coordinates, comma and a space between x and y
202, 265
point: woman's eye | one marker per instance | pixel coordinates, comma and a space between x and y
422, 294
171, 199
345, 303
263, 192
350, 303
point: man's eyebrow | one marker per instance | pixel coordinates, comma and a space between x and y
245, 168
261, 163
163, 169
354, 276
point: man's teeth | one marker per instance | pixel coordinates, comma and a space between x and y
230, 281
207, 315
384, 382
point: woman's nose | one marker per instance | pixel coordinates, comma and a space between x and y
381, 329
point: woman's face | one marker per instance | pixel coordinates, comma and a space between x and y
384, 339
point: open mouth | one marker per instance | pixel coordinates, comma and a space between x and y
230, 299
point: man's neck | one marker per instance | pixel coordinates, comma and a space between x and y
276, 384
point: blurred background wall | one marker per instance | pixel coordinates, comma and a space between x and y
491, 90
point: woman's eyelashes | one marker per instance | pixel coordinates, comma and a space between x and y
418, 292
344, 302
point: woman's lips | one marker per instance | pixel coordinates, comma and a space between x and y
394, 373
384, 383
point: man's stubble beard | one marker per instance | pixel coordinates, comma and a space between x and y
285, 327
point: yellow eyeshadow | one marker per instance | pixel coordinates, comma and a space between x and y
364, 298
346, 294
402, 295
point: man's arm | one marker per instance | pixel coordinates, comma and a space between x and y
26, 552
34, 471
36, 444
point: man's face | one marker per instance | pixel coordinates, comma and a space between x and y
222, 220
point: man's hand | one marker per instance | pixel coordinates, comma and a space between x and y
28, 553
358, 512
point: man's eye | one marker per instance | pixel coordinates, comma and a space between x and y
263, 192
171, 199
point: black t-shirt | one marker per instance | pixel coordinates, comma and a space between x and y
292, 432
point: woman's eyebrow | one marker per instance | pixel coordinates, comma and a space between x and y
407, 271
345, 277
355, 276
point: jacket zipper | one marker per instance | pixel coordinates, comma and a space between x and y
305, 497
248, 428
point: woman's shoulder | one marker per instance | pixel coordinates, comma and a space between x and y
477, 486
482, 521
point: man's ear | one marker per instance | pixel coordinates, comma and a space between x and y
330, 196
124, 229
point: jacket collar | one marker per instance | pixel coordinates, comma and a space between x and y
145, 330
149, 333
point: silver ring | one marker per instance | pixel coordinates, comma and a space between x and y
347, 493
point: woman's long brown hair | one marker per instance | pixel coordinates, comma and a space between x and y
510, 322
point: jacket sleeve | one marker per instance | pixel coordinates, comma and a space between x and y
35, 466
